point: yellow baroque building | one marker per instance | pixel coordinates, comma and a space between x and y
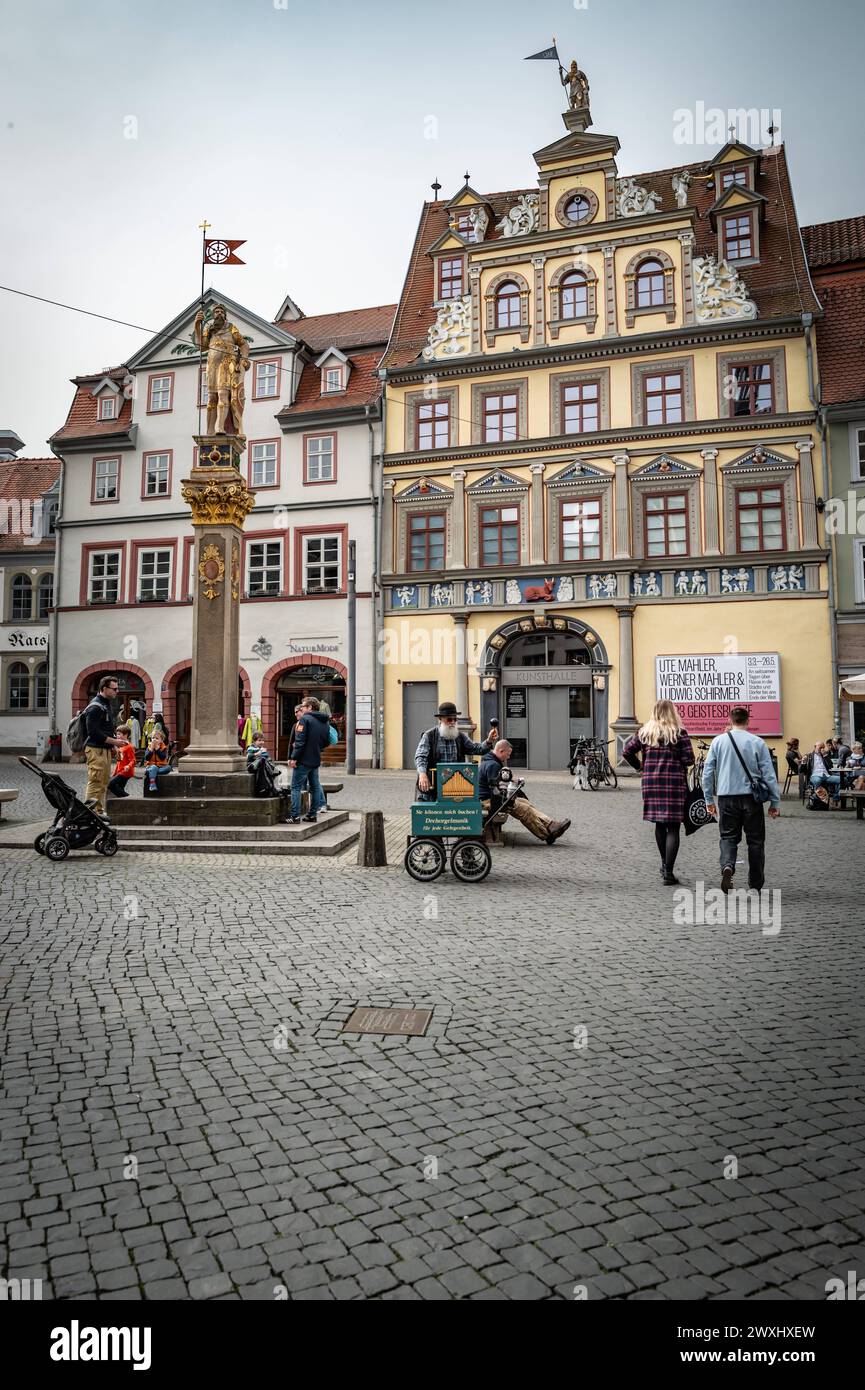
601, 471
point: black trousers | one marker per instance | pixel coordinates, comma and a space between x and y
735, 815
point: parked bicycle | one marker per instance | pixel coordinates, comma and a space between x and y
590, 764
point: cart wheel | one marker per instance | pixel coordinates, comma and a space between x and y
56, 847
39, 843
471, 861
424, 860
107, 844
593, 773
612, 779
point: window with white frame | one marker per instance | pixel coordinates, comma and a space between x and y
160, 393
107, 408
264, 464
319, 458
154, 575
203, 392
332, 379
321, 564
264, 569
103, 584
266, 381
857, 452
859, 554
106, 475
157, 468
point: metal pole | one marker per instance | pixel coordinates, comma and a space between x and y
351, 684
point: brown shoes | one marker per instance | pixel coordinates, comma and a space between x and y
557, 829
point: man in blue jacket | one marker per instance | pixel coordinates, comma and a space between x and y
310, 739
728, 783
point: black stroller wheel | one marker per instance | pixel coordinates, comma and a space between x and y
471, 861
56, 847
107, 844
424, 860
39, 843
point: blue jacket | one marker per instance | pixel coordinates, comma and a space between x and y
723, 774
99, 722
311, 737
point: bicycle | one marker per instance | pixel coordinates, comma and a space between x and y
695, 774
600, 769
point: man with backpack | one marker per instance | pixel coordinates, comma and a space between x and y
445, 744
739, 776
99, 739
311, 737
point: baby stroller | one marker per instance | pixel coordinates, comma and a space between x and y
75, 825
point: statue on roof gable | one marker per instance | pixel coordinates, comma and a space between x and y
632, 199
479, 220
522, 218
681, 183
577, 84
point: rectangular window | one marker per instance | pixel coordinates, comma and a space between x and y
154, 576
103, 584
500, 535
501, 415
321, 564
667, 524
265, 382
106, 479
753, 387
760, 518
264, 569
860, 571
434, 425
581, 529
202, 386
426, 541
581, 405
731, 176
664, 396
320, 459
451, 278
157, 474
161, 390
738, 238
42, 686
333, 379
264, 464
19, 686
106, 409
857, 443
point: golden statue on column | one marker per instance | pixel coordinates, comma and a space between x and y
227, 361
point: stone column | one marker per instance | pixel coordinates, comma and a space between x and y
387, 520
539, 315
537, 505
688, 310
611, 322
220, 500
477, 307
810, 538
461, 669
458, 520
710, 501
626, 723
622, 542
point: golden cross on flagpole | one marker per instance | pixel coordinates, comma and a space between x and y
205, 225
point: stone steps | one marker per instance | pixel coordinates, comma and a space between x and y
330, 841
268, 834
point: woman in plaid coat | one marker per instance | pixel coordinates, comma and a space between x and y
662, 751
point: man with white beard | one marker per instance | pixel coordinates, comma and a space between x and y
445, 744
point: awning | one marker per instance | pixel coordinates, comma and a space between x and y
853, 687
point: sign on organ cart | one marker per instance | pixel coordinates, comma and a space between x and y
705, 687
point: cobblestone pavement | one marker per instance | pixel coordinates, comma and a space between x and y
183, 1118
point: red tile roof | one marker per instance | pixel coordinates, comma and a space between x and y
841, 332
779, 285
835, 243
81, 422
349, 328
363, 387
23, 480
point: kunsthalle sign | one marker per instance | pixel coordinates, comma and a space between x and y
705, 687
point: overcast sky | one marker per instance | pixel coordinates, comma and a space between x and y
314, 130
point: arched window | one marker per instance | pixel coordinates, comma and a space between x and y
508, 312
42, 686
19, 686
44, 595
578, 208
22, 599
574, 291
650, 284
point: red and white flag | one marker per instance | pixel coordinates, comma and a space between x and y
220, 252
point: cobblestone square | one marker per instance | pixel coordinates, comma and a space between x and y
608, 1102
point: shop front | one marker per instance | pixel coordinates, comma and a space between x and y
327, 684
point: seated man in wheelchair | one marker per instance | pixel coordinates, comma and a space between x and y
492, 782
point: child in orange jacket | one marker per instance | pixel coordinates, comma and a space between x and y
124, 767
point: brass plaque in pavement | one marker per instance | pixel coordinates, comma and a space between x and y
399, 1022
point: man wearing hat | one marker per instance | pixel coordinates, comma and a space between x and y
445, 744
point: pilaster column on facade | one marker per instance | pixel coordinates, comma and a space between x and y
387, 520
458, 520
806, 492
611, 321
461, 669
622, 542
626, 722
475, 292
710, 501
539, 316
537, 505
689, 311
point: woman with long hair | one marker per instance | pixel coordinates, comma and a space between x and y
662, 752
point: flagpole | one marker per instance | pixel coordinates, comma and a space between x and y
204, 226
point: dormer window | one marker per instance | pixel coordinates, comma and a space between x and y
106, 408
729, 177
463, 224
737, 237
332, 380
451, 278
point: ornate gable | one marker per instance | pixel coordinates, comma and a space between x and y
664, 466
499, 481
578, 472
423, 488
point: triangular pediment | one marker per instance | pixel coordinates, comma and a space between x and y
665, 466
466, 198
106, 385
176, 340
422, 488
579, 472
577, 146
734, 152
759, 458
448, 241
331, 354
497, 480
737, 196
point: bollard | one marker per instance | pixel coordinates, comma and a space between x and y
371, 853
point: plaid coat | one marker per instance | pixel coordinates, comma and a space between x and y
664, 776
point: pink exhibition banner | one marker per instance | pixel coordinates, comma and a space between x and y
704, 687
